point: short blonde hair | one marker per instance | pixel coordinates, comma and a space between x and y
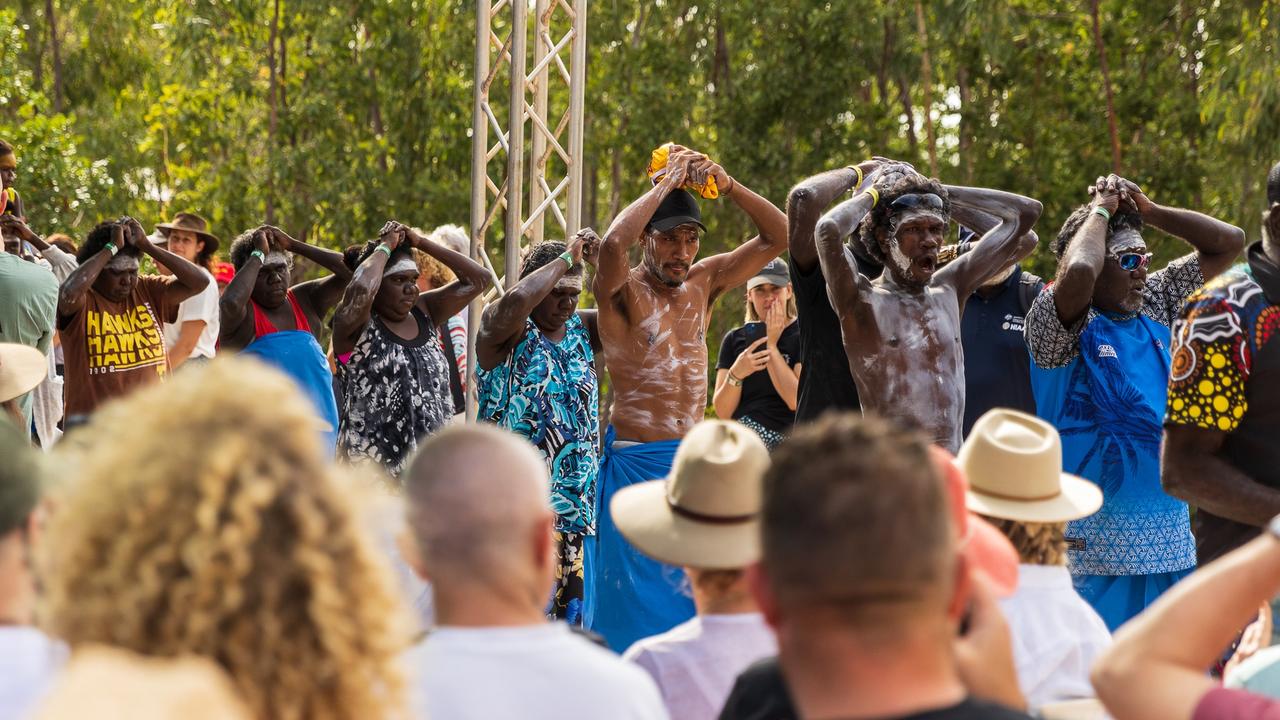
433, 270
201, 518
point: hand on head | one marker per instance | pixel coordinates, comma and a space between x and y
1106, 192
392, 234
261, 240
590, 245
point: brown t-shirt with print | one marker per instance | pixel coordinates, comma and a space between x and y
111, 348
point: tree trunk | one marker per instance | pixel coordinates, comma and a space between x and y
273, 118
963, 129
926, 70
1106, 84
56, 46
904, 96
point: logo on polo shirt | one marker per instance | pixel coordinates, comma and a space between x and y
1012, 322
1105, 351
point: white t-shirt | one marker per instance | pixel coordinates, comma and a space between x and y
696, 662
201, 306
29, 662
1056, 635
532, 672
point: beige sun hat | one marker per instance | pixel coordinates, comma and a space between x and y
706, 514
1014, 464
21, 369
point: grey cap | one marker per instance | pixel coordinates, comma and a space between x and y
775, 273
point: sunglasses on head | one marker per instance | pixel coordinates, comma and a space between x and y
915, 201
1131, 261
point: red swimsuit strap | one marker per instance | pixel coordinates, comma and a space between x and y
262, 324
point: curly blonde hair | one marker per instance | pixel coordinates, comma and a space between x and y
202, 518
1036, 543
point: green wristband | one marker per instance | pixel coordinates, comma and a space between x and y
111, 248
1105, 213
567, 257
383, 248
258, 254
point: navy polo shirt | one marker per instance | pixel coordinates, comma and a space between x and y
997, 366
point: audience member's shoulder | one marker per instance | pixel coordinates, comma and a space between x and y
974, 709
759, 693
662, 642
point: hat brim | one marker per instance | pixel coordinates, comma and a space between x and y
1079, 498
22, 368
988, 551
670, 223
777, 280
644, 518
209, 239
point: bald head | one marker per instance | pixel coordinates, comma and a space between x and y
476, 495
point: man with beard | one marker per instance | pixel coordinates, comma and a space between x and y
1099, 339
652, 321
902, 331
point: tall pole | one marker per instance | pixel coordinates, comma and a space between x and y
479, 178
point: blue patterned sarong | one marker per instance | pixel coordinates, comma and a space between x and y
630, 596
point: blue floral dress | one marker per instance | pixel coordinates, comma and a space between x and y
548, 393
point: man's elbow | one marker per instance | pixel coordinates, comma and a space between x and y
1029, 213
827, 233
799, 199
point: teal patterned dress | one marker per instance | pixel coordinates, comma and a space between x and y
548, 393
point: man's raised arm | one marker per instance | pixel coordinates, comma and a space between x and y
808, 200
628, 227
322, 293
844, 284
1217, 242
1009, 241
739, 265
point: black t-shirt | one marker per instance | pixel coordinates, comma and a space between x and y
997, 366
825, 380
760, 400
760, 693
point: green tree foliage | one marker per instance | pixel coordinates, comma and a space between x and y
326, 118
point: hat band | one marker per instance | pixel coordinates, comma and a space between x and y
1016, 498
709, 519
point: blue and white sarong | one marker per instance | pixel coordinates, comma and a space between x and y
629, 596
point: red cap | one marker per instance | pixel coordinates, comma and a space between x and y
983, 545
223, 272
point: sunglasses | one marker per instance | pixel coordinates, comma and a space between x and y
1131, 261
915, 201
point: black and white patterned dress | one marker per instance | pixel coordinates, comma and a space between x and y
395, 393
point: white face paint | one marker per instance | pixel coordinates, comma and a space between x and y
897, 258
123, 263
276, 258
404, 264
570, 283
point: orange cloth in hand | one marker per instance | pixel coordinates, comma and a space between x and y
658, 167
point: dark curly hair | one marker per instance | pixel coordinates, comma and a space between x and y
242, 247
1119, 221
402, 251
543, 253
895, 181
98, 238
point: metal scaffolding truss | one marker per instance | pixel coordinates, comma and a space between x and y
526, 144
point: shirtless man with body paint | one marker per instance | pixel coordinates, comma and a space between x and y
901, 331
652, 321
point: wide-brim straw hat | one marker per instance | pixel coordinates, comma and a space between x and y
1014, 465
706, 513
22, 368
191, 222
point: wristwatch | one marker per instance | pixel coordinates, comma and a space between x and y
738, 383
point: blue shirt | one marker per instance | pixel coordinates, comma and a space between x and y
997, 371
1103, 384
547, 392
